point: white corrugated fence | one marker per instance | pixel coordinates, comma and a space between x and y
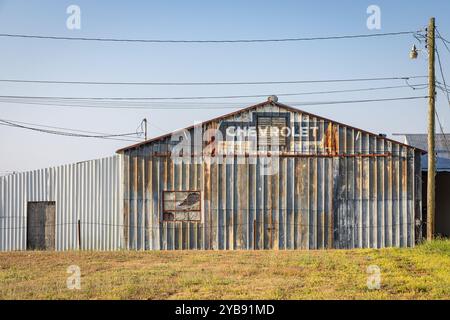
88, 191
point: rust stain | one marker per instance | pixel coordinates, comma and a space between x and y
404, 172
331, 140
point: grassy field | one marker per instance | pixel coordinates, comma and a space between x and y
419, 273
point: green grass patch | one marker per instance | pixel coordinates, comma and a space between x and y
414, 273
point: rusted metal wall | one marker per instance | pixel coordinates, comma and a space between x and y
87, 191
348, 189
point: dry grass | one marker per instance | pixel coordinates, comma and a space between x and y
419, 273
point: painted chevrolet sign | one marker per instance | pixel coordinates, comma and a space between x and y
272, 129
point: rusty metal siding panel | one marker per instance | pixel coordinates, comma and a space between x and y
89, 191
362, 194
417, 198
372, 227
380, 162
388, 196
126, 199
347, 210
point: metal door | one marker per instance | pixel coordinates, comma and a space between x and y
41, 225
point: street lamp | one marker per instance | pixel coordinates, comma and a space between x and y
413, 53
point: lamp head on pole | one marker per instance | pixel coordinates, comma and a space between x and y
413, 53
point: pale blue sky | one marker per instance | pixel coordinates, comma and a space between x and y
91, 61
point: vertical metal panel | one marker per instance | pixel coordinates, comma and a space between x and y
88, 191
363, 194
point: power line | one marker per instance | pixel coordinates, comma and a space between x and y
62, 133
358, 101
442, 131
444, 89
445, 41
205, 107
296, 39
68, 129
445, 44
447, 95
441, 86
212, 97
443, 78
53, 127
209, 83
70, 134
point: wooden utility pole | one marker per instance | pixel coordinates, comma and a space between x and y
145, 128
431, 206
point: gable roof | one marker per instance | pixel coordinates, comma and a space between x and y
277, 104
420, 140
442, 164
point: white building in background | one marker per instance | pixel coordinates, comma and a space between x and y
420, 140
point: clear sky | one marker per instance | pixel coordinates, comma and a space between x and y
93, 61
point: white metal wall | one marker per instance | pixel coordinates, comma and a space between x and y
87, 191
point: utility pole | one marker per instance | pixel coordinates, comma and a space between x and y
431, 131
145, 128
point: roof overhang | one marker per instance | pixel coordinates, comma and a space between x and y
442, 164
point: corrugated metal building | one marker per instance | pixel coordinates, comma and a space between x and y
42, 209
265, 177
271, 177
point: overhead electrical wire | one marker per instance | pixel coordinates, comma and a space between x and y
444, 83
80, 102
172, 41
43, 131
68, 129
110, 101
440, 85
52, 98
446, 46
445, 41
443, 79
210, 83
63, 133
441, 128
447, 98
70, 134
205, 107
357, 101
